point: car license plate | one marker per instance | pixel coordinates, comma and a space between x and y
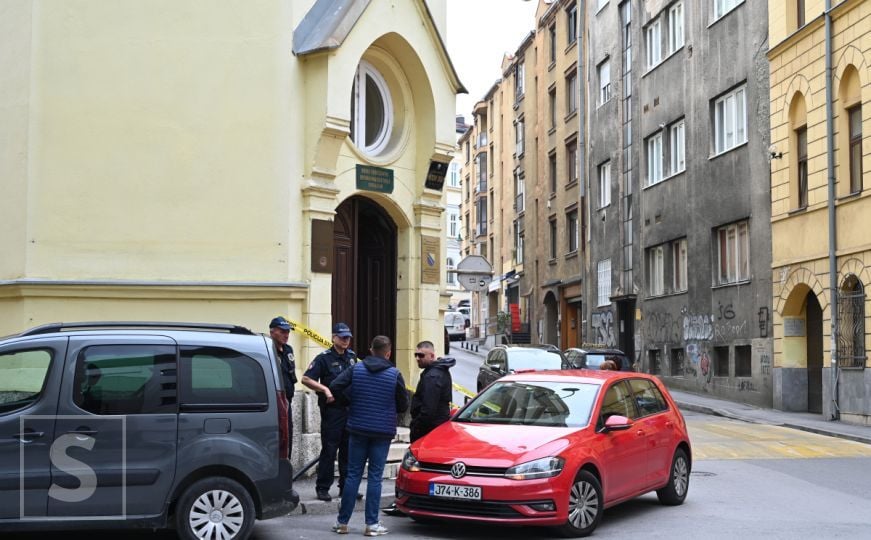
450, 491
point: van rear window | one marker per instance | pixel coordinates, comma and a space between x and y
215, 378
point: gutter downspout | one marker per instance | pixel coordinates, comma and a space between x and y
833, 260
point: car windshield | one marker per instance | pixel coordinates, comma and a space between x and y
551, 404
595, 360
533, 359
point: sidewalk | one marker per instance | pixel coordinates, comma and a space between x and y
308, 504
813, 423
810, 422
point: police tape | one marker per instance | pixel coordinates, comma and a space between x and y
306, 331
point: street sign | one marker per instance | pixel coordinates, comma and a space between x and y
475, 273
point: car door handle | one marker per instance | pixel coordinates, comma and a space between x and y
29, 436
669, 424
639, 433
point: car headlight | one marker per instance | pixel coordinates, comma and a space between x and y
410, 463
540, 468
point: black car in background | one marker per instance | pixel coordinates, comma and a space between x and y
592, 358
505, 359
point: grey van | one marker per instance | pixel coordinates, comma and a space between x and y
148, 425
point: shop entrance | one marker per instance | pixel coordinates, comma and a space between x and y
364, 278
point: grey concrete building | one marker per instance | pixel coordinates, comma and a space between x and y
679, 250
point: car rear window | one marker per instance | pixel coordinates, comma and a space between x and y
22, 375
215, 378
533, 359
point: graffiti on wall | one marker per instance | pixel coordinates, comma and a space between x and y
723, 325
603, 328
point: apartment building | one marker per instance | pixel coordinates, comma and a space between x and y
821, 205
453, 189
679, 211
523, 209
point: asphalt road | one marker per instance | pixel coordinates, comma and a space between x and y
748, 481
465, 373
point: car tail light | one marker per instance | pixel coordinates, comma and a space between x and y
283, 435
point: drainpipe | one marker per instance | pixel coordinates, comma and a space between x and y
833, 260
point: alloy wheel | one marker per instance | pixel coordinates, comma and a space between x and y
583, 504
681, 476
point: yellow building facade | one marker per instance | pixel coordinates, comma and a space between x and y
227, 162
820, 366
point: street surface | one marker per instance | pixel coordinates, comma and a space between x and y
748, 481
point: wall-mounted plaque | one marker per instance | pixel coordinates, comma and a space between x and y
430, 254
435, 177
793, 327
322, 246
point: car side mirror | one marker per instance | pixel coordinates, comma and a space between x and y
617, 423
454, 411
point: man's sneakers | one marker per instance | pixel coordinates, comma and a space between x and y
340, 528
375, 530
323, 495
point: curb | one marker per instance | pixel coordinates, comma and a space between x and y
704, 409
320, 508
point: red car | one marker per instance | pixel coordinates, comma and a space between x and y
552, 448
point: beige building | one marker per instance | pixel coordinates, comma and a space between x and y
523, 208
821, 243
227, 162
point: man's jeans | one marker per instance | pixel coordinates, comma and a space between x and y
360, 450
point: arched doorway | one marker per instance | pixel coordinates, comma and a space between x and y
551, 320
814, 318
364, 278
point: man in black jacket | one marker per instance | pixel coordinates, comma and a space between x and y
431, 404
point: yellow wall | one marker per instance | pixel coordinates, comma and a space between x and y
170, 155
800, 238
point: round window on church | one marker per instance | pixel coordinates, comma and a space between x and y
371, 110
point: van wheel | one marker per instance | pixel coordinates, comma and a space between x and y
215, 508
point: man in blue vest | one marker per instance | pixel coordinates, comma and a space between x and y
334, 415
375, 392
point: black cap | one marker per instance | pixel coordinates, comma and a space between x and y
279, 322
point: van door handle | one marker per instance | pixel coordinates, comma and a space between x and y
81, 433
29, 436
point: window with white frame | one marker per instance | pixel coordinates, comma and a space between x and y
653, 39
453, 224
604, 184
518, 137
730, 120
679, 265
676, 148
518, 245
604, 282
655, 271
654, 159
449, 265
721, 7
371, 110
455, 175
604, 81
733, 253
572, 230
675, 27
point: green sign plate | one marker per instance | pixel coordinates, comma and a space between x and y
374, 179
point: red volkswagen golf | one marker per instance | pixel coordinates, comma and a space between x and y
551, 448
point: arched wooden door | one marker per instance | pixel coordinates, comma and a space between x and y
364, 278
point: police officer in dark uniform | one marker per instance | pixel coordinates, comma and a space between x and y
279, 331
334, 437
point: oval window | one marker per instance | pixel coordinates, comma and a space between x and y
371, 110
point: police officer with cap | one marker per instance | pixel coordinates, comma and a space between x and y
279, 331
334, 437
